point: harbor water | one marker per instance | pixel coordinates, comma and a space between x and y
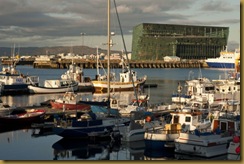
35, 144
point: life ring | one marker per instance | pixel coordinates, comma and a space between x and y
148, 119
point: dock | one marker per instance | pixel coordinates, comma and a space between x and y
91, 64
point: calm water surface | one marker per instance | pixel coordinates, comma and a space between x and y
29, 144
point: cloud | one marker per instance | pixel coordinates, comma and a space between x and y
217, 6
68, 18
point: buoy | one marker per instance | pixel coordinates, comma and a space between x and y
236, 139
238, 150
148, 119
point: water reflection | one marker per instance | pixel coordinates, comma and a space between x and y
160, 94
166, 154
36, 99
135, 149
80, 149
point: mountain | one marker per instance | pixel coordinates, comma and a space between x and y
32, 51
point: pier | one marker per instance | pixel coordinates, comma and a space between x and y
92, 64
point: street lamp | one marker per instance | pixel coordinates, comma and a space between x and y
82, 35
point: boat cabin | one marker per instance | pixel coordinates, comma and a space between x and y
224, 125
189, 119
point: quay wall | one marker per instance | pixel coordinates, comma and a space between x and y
116, 64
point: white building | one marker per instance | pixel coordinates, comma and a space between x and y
171, 58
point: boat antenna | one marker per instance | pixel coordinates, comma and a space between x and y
126, 53
200, 72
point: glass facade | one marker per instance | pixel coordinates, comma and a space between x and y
155, 41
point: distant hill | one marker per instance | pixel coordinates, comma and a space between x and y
32, 51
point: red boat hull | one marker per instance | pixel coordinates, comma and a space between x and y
57, 105
23, 119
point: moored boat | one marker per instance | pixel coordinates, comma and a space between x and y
162, 137
69, 102
26, 118
90, 125
226, 60
54, 86
76, 73
13, 82
128, 81
211, 143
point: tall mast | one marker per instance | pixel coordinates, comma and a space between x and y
108, 51
97, 62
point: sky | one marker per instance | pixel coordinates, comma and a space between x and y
40, 23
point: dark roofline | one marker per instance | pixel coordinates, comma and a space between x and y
180, 25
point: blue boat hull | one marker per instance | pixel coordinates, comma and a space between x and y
154, 144
220, 65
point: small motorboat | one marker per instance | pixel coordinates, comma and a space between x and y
25, 118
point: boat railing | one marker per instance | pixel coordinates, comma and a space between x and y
163, 131
33, 80
167, 129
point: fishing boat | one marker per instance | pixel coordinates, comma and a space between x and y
54, 86
13, 82
91, 125
26, 118
76, 73
139, 124
69, 102
141, 103
227, 59
162, 137
211, 143
128, 80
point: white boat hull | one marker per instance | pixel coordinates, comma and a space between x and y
232, 154
133, 135
204, 145
36, 89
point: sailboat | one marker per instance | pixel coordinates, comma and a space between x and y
128, 79
124, 83
91, 124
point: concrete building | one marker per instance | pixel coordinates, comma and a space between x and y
155, 41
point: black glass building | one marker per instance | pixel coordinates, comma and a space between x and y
155, 41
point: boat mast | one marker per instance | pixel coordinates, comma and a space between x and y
97, 62
126, 54
108, 52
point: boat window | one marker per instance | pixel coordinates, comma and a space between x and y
204, 106
196, 105
176, 119
209, 88
188, 119
223, 126
188, 105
